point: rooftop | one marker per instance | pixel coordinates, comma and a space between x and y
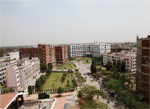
45, 104
6, 99
60, 102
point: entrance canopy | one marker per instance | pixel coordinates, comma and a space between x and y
32, 83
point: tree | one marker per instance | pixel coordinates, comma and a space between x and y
89, 92
115, 85
76, 70
101, 59
42, 79
9, 49
74, 82
114, 62
97, 75
80, 95
43, 66
81, 80
1, 52
68, 82
50, 66
60, 90
38, 84
30, 90
108, 65
63, 78
70, 59
7, 90
93, 67
123, 66
119, 65
48, 72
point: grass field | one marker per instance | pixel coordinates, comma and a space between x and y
86, 62
69, 65
54, 78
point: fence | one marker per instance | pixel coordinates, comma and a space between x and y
55, 90
60, 71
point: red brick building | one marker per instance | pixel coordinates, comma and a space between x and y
143, 67
45, 53
61, 54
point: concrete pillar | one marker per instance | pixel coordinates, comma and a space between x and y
17, 102
22, 99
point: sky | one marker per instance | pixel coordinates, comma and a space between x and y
33, 22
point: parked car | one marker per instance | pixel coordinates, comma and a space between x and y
43, 95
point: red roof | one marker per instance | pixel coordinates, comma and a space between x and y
5, 99
60, 102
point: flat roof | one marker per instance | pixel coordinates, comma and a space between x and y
60, 102
6, 99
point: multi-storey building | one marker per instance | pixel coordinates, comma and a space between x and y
61, 54
88, 50
119, 49
143, 67
3, 66
128, 57
45, 53
19, 76
13, 55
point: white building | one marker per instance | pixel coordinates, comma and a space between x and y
18, 77
88, 50
3, 66
13, 55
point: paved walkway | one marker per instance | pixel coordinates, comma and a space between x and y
35, 96
83, 69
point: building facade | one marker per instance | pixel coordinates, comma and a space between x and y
143, 67
88, 50
128, 57
13, 55
3, 66
61, 54
19, 76
119, 49
45, 53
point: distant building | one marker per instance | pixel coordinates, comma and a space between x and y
128, 57
143, 67
13, 55
119, 49
88, 49
45, 53
61, 54
19, 76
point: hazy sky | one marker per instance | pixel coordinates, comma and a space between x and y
72, 21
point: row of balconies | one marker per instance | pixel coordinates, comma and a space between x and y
2, 78
3, 70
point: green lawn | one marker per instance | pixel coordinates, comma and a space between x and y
86, 62
69, 65
99, 66
54, 78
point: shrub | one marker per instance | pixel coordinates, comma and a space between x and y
80, 95
30, 90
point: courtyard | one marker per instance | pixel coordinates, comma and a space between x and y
54, 81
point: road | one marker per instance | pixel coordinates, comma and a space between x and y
83, 69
